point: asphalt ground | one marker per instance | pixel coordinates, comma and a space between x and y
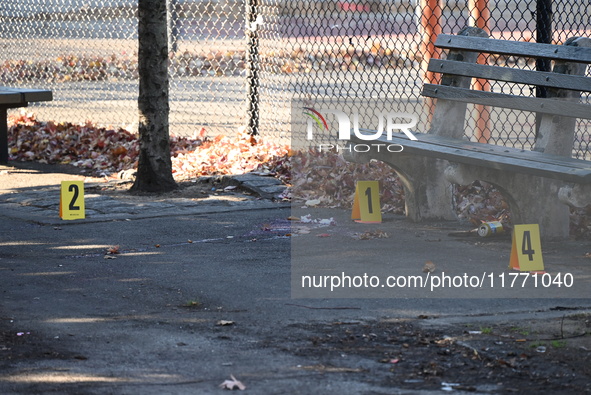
199, 292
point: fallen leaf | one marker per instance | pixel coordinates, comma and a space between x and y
233, 383
113, 250
429, 267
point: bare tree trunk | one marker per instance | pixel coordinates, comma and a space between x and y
155, 167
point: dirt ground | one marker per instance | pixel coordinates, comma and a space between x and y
547, 356
533, 358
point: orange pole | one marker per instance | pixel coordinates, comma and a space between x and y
480, 15
431, 28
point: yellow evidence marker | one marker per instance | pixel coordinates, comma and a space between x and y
72, 200
526, 249
366, 205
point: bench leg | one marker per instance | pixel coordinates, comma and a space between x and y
532, 200
427, 195
3, 136
575, 195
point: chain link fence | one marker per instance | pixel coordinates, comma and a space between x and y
85, 51
364, 50
239, 63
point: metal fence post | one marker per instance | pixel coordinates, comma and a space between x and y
430, 29
543, 35
173, 31
252, 21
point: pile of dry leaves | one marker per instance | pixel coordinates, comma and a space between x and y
329, 179
104, 151
98, 149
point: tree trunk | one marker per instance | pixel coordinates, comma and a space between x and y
154, 172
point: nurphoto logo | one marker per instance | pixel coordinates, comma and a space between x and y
386, 122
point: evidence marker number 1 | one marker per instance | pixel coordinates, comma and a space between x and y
72, 200
366, 203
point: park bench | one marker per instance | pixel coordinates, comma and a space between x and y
14, 98
538, 184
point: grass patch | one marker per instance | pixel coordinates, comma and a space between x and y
522, 331
192, 303
558, 343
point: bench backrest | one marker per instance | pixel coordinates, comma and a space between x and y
564, 84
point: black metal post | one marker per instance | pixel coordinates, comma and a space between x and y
173, 22
3, 136
253, 62
543, 35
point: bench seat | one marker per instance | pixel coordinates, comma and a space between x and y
487, 155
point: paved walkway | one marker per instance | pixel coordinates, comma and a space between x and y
41, 203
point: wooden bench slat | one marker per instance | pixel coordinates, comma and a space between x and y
477, 154
540, 78
20, 97
7, 98
532, 104
499, 150
512, 48
34, 95
510, 152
